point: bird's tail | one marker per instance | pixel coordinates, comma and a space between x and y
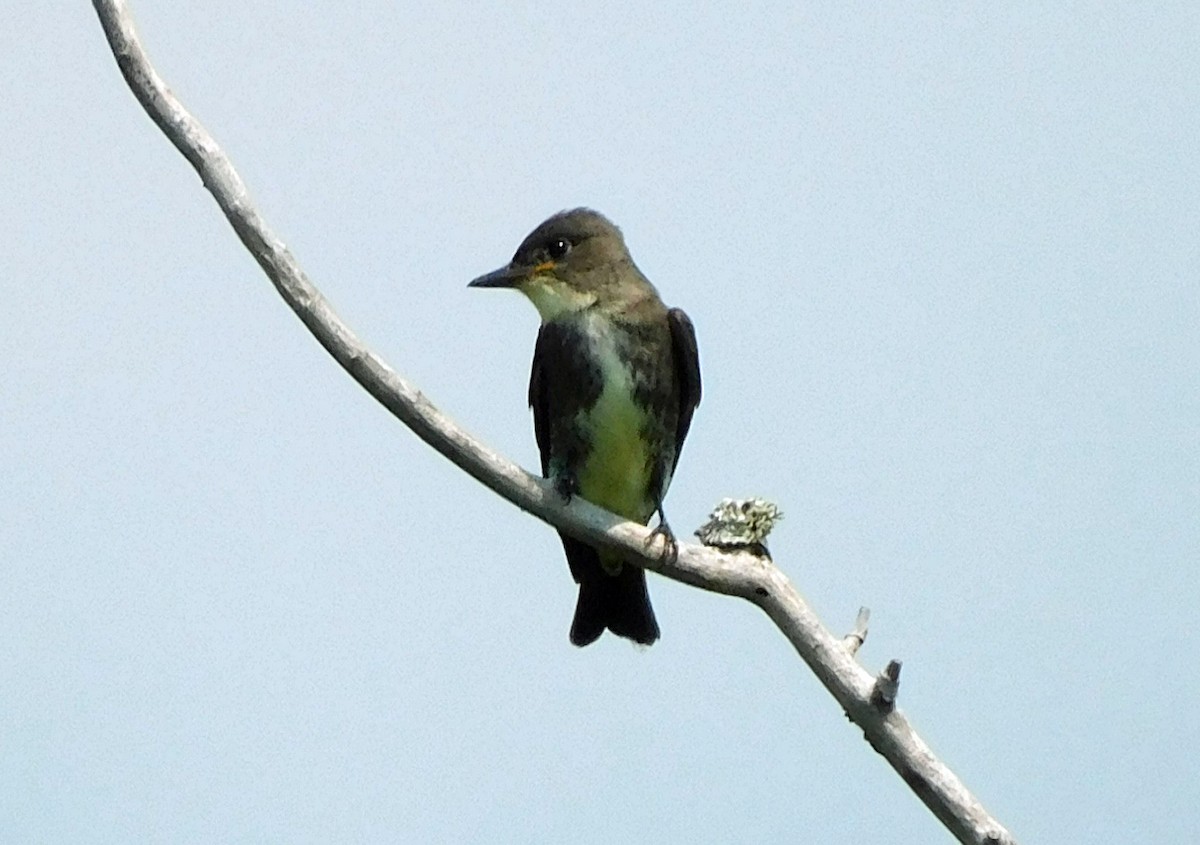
618, 602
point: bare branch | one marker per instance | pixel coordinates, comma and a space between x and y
734, 573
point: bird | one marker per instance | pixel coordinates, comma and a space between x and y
614, 384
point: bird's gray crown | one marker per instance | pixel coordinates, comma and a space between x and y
574, 226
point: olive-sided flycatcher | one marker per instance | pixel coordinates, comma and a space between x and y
616, 377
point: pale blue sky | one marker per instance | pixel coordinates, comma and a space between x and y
944, 267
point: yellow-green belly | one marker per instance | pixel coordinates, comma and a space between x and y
616, 474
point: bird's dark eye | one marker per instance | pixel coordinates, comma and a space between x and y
558, 248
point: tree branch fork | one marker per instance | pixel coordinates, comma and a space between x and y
868, 702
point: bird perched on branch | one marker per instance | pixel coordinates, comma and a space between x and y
615, 380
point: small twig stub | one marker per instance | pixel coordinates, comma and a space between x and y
855, 639
887, 686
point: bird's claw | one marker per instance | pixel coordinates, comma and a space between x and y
566, 486
670, 552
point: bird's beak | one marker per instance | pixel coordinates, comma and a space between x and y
505, 277
513, 275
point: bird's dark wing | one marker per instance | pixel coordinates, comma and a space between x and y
687, 372
538, 399
562, 382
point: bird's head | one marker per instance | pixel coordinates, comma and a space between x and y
567, 264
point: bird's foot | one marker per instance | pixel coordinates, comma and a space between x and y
670, 552
566, 486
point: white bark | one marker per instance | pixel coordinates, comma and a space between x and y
869, 703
